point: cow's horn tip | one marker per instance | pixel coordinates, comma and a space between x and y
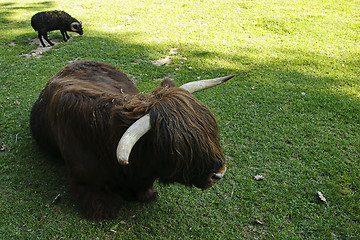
231, 76
123, 161
226, 78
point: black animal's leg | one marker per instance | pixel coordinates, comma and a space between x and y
67, 35
47, 39
40, 38
63, 34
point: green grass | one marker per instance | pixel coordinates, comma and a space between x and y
292, 115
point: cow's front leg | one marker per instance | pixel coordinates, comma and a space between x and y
146, 195
141, 182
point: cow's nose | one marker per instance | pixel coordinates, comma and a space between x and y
220, 174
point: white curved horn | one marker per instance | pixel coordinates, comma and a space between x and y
130, 137
72, 26
204, 84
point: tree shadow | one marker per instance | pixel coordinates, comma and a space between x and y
8, 9
134, 59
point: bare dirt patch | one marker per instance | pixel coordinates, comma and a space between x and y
167, 59
37, 53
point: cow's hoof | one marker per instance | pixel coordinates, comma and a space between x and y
147, 196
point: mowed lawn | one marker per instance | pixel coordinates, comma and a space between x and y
290, 117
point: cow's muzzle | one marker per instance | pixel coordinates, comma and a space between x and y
215, 177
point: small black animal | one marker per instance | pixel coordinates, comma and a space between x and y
45, 22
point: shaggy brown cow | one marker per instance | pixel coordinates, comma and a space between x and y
87, 107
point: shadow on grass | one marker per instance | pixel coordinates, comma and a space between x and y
8, 9
134, 59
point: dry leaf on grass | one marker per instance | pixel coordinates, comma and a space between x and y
321, 196
114, 228
124, 223
56, 198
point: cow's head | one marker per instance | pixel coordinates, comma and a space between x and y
185, 132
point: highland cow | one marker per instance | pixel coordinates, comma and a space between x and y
45, 22
116, 141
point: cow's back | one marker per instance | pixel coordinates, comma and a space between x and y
75, 91
99, 77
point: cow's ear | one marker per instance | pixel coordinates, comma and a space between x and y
168, 82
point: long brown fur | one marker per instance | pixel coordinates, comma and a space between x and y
87, 106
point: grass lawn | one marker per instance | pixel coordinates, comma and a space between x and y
291, 115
